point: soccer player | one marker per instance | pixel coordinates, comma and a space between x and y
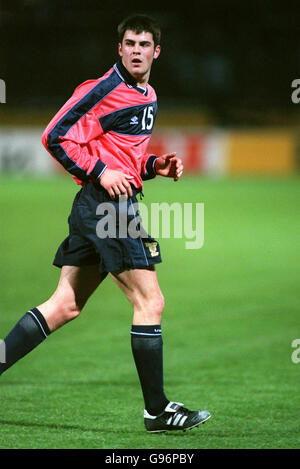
100, 137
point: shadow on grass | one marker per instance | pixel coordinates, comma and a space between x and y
55, 426
85, 383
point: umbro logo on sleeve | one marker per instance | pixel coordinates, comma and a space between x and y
134, 120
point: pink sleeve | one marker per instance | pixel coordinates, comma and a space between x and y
68, 134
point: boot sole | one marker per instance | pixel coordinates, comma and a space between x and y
178, 429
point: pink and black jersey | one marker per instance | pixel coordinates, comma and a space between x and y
106, 123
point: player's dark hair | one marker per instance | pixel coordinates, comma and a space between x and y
138, 24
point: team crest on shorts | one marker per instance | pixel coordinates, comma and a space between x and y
152, 248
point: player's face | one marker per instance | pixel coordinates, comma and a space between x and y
137, 52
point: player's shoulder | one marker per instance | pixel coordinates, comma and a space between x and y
88, 85
151, 93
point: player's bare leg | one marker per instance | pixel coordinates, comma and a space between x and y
142, 289
75, 286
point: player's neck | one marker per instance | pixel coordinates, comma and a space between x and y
140, 79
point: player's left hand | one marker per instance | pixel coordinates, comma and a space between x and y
169, 165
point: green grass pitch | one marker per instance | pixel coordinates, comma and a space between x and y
232, 312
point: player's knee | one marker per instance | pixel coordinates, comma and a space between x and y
154, 308
72, 312
68, 310
160, 305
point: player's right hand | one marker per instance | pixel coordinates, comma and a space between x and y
116, 183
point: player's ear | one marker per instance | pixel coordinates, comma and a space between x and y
120, 49
156, 52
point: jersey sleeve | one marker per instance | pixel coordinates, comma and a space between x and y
69, 135
148, 167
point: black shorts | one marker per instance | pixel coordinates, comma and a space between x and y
97, 234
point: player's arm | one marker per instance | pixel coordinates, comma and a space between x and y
148, 167
67, 137
116, 183
169, 165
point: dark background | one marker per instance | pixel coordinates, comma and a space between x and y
232, 60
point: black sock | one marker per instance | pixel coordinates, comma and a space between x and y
147, 349
29, 332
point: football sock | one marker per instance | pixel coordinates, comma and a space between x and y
147, 349
29, 332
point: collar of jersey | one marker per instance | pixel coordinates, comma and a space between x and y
127, 78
